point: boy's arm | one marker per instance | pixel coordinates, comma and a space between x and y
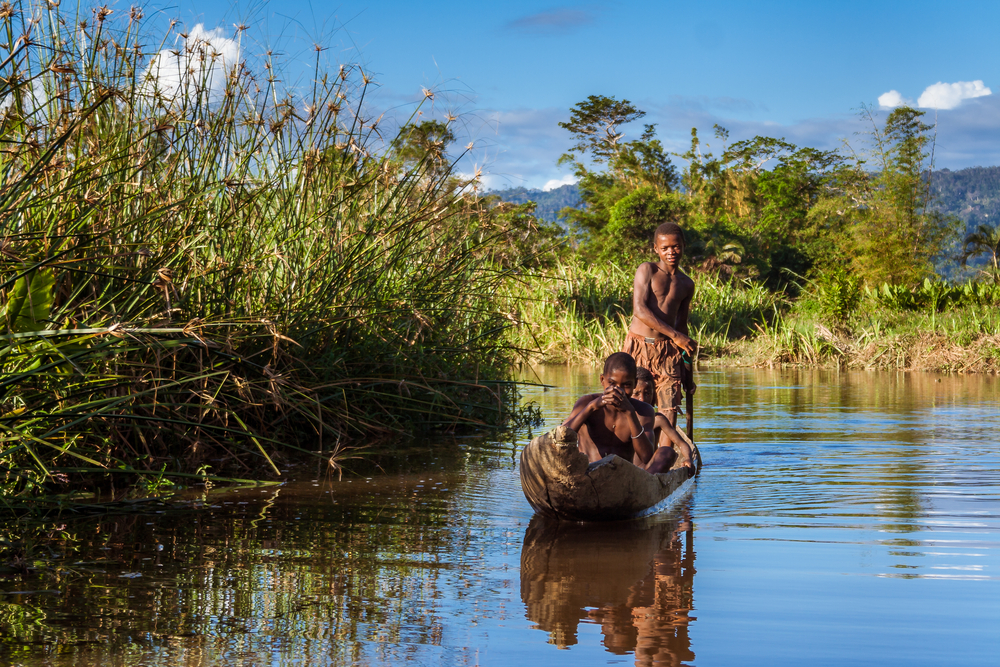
683, 311
641, 292
643, 444
577, 420
584, 407
668, 431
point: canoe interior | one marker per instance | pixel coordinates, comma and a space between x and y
559, 481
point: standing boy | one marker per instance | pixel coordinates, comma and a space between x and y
612, 422
661, 301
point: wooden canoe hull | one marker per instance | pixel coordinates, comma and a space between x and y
559, 481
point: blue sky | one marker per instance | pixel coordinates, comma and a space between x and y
511, 70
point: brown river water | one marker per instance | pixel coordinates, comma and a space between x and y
840, 519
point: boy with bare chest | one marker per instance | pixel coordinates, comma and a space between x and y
612, 422
658, 334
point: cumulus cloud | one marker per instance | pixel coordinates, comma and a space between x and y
950, 95
559, 19
554, 183
937, 96
197, 69
893, 99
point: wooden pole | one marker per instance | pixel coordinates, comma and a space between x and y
689, 397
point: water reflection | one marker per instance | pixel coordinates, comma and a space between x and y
842, 518
634, 579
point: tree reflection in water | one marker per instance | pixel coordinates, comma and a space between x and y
633, 578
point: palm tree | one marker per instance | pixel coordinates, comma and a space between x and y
983, 240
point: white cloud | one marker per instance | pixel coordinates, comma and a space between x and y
554, 183
198, 69
892, 99
950, 95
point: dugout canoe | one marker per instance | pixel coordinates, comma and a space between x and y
559, 481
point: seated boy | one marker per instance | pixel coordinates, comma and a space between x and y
664, 434
612, 422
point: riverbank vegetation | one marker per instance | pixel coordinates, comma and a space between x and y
202, 273
800, 256
579, 314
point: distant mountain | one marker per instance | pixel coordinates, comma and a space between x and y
549, 202
972, 194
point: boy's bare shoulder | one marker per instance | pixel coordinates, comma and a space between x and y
643, 409
646, 268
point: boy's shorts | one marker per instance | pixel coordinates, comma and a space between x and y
663, 359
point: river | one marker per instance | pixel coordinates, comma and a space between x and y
840, 518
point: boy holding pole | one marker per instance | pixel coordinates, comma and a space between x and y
658, 335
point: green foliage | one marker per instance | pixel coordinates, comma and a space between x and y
890, 232
576, 312
936, 296
424, 147
594, 124
207, 277
628, 166
763, 207
29, 301
628, 234
896, 297
838, 294
984, 241
752, 202
580, 312
530, 242
959, 339
724, 311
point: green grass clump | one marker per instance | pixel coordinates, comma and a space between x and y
222, 273
956, 330
724, 311
579, 313
574, 313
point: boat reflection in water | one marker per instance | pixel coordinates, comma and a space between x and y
633, 578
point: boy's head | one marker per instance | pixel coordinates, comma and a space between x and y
645, 386
619, 371
668, 242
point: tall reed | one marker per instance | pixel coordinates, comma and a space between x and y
200, 270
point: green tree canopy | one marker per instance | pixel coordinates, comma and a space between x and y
889, 233
610, 169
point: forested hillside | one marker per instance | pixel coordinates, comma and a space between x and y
549, 202
972, 194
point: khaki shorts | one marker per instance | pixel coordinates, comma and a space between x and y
663, 359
